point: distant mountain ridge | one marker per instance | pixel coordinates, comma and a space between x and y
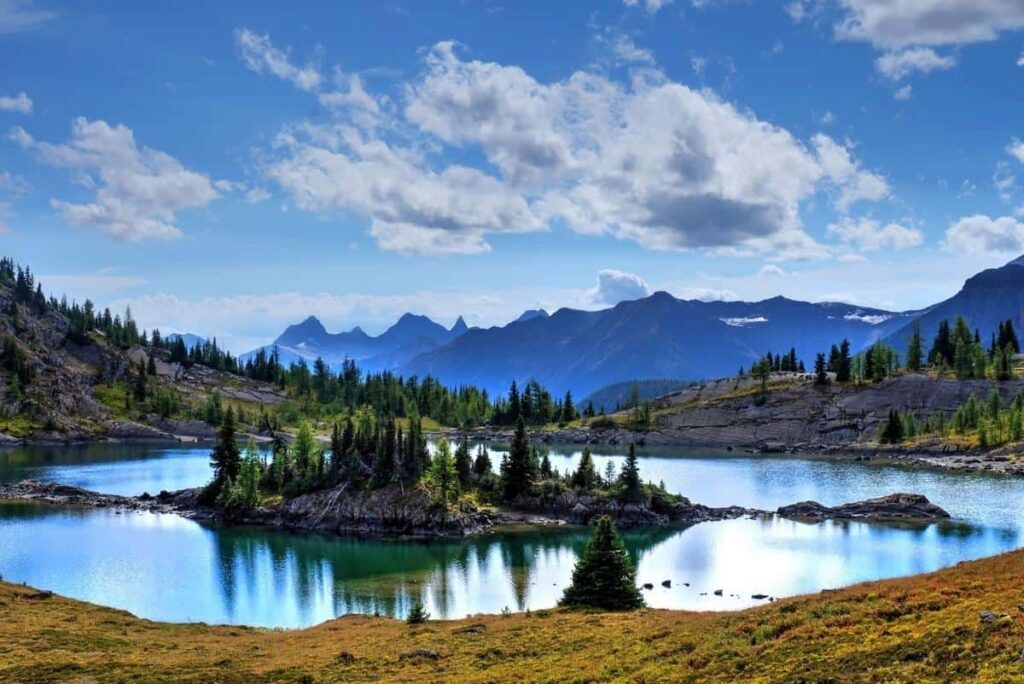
409, 337
655, 337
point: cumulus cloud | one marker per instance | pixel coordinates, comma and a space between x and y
854, 183
898, 65
19, 103
139, 190
1016, 150
260, 55
17, 16
869, 235
980, 234
651, 161
904, 93
894, 25
411, 209
615, 286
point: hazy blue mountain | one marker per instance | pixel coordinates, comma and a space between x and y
530, 314
410, 336
655, 337
985, 300
190, 339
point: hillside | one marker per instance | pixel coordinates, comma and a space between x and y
961, 624
58, 385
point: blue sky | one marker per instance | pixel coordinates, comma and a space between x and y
230, 167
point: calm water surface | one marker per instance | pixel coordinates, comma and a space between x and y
167, 568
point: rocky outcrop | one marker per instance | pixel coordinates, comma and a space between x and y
891, 507
581, 508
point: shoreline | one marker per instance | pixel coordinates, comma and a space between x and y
882, 630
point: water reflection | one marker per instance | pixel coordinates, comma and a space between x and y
168, 568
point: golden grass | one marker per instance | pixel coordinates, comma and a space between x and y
919, 629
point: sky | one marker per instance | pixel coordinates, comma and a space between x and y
229, 168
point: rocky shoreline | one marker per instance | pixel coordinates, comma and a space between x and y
410, 511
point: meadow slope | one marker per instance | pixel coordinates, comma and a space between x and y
928, 628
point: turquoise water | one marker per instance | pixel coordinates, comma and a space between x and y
168, 568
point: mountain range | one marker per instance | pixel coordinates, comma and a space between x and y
658, 336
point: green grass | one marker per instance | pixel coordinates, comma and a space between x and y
919, 629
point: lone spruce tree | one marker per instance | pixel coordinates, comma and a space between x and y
632, 488
226, 459
604, 576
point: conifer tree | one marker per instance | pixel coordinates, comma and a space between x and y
820, 374
482, 465
464, 463
517, 480
843, 366
915, 349
604, 576
632, 488
226, 460
585, 477
442, 473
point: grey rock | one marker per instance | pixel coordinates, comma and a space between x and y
891, 507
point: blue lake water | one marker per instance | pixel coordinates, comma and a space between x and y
168, 568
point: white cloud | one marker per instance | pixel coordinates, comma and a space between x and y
770, 271
704, 294
895, 24
651, 6
257, 195
651, 161
615, 286
19, 103
904, 93
980, 235
1004, 180
261, 56
854, 184
13, 184
17, 16
869, 235
1020, 60
411, 209
140, 190
1016, 150
898, 65
626, 50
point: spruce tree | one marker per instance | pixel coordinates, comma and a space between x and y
914, 349
820, 374
844, 367
604, 576
226, 459
519, 474
464, 463
482, 465
632, 488
585, 477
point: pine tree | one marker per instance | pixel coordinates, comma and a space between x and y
464, 463
585, 477
443, 474
820, 374
568, 409
226, 460
140, 383
915, 349
151, 365
517, 480
417, 615
843, 366
632, 488
604, 576
482, 465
